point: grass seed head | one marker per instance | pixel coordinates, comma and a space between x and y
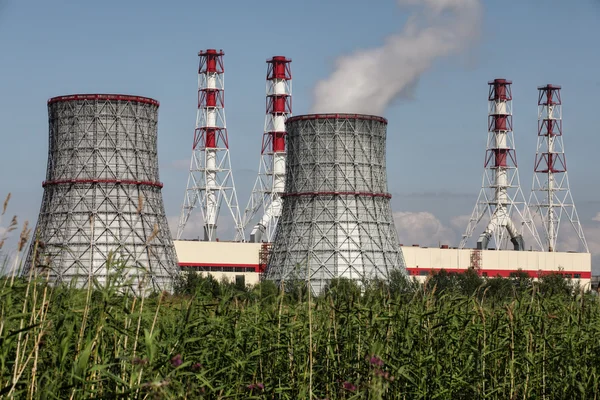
140, 204
6, 203
24, 236
153, 234
13, 224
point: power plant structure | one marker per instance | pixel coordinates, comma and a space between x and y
210, 180
551, 197
322, 187
270, 183
501, 198
336, 220
102, 196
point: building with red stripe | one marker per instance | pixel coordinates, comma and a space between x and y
234, 260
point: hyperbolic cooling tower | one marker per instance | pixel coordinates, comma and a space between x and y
102, 193
336, 220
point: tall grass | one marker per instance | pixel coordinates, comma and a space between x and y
455, 337
216, 340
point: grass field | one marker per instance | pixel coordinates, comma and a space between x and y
454, 338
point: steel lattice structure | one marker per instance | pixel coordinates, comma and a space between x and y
551, 196
270, 183
211, 179
102, 193
336, 220
501, 198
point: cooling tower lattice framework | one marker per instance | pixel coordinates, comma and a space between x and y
336, 220
102, 193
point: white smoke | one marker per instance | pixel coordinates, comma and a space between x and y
369, 80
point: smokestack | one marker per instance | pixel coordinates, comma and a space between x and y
500, 197
210, 181
551, 197
270, 182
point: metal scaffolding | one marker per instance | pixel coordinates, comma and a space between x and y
501, 198
210, 180
336, 220
102, 194
551, 197
270, 182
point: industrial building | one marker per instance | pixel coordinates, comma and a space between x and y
331, 216
321, 191
222, 260
231, 260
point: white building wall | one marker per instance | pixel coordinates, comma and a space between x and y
228, 259
220, 259
420, 261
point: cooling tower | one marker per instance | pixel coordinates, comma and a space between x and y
102, 194
336, 219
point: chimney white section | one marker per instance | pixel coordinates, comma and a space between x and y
211, 117
277, 87
211, 186
279, 123
279, 160
211, 80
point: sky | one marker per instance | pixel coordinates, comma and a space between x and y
437, 129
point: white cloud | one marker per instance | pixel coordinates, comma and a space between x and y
423, 228
569, 241
597, 217
460, 222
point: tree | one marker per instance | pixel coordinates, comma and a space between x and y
469, 281
400, 284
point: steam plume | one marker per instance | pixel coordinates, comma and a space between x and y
369, 80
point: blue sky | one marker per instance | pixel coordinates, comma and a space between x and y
436, 140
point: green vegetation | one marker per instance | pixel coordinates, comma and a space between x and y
456, 337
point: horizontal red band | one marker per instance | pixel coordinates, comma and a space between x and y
505, 273
490, 273
337, 116
239, 267
107, 97
113, 181
365, 194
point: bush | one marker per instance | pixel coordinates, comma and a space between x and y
469, 282
401, 285
193, 283
555, 284
442, 281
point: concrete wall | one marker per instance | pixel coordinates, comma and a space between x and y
421, 260
231, 259
220, 259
